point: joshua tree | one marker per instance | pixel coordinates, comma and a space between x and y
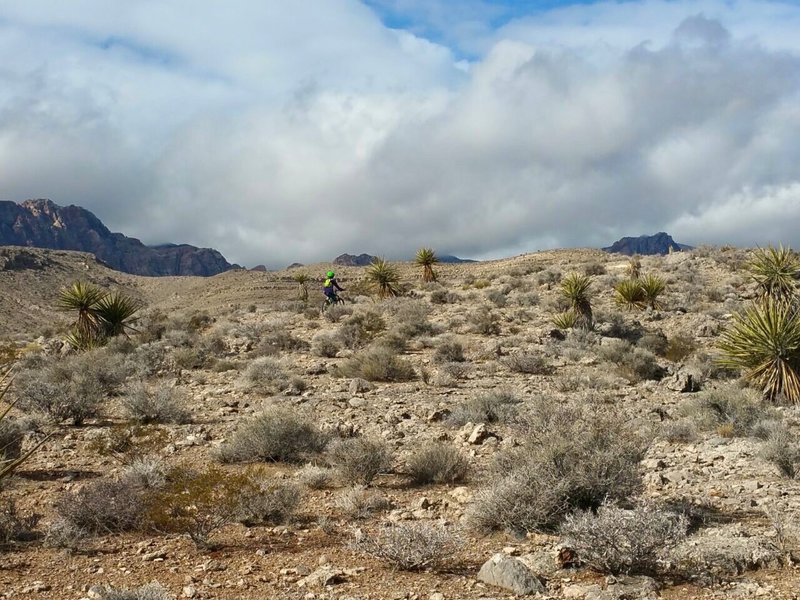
383, 277
764, 341
302, 280
575, 288
776, 271
426, 258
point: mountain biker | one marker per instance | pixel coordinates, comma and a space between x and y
330, 287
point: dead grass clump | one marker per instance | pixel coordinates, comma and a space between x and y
360, 503
530, 364
576, 457
495, 407
161, 404
617, 540
377, 363
437, 462
265, 375
730, 410
359, 460
410, 546
277, 434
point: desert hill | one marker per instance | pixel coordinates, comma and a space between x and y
470, 369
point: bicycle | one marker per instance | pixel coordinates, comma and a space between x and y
328, 302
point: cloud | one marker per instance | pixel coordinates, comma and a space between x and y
280, 134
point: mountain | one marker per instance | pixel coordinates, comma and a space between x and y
660, 243
44, 224
363, 260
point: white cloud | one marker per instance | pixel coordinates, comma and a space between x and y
280, 133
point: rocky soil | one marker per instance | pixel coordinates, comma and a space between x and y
742, 541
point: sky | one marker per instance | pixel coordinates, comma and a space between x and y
284, 131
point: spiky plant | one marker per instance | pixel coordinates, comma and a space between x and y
383, 277
652, 287
10, 457
302, 279
629, 293
116, 312
575, 288
83, 298
634, 267
776, 271
566, 320
764, 341
426, 258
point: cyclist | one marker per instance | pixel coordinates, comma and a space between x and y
330, 287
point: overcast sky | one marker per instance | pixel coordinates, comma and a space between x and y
279, 130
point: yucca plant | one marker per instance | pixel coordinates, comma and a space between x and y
634, 267
764, 341
383, 277
116, 312
652, 287
83, 298
776, 271
566, 320
575, 288
10, 455
426, 258
302, 279
629, 293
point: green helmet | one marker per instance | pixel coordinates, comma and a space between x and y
330, 274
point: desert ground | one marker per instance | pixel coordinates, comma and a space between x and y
405, 434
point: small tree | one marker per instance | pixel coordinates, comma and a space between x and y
426, 258
383, 277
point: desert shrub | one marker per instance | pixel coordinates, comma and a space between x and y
655, 342
617, 540
197, 503
411, 317
144, 405
727, 409
782, 450
484, 321
63, 534
680, 347
682, 431
528, 299
275, 338
335, 313
594, 268
277, 434
265, 375
315, 477
497, 297
437, 462
128, 443
455, 370
223, 366
13, 525
150, 591
495, 407
325, 345
147, 472
267, 500
444, 297
392, 340
360, 503
530, 364
360, 329
359, 460
148, 359
12, 433
189, 358
449, 350
548, 277
410, 546
635, 364
575, 458
104, 506
71, 388
377, 363
569, 319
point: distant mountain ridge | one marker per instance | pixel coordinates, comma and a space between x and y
660, 243
363, 260
44, 224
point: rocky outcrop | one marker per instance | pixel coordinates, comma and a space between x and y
351, 260
44, 224
660, 243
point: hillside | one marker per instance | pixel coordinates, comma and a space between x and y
469, 369
44, 224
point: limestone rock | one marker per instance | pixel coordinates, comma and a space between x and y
511, 574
